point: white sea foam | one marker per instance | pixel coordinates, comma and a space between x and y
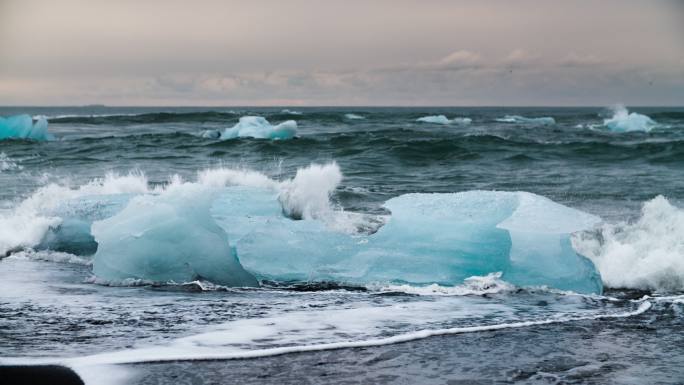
7, 163
228, 341
477, 285
645, 254
27, 224
224, 176
307, 195
51, 256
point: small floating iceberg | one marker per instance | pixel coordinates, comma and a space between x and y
354, 117
543, 121
441, 119
257, 127
625, 121
23, 127
290, 112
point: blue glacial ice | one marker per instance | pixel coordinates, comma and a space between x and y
624, 121
432, 238
354, 117
169, 237
233, 227
23, 127
543, 121
258, 127
441, 119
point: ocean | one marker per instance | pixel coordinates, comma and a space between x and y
344, 244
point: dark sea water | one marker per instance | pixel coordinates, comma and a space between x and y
486, 330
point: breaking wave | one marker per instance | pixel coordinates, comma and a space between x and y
645, 254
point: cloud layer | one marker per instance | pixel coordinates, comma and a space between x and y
341, 53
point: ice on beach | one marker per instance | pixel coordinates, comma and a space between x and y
232, 227
434, 238
170, 237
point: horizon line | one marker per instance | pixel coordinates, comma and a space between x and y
336, 106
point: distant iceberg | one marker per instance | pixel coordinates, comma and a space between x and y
441, 119
23, 127
543, 121
290, 112
258, 127
624, 121
353, 117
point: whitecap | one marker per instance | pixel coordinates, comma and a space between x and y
645, 254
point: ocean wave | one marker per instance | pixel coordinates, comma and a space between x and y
524, 120
144, 118
647, 254
441, 119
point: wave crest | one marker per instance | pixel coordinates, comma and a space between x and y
646, 254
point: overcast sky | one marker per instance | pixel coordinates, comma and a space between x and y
318, 52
